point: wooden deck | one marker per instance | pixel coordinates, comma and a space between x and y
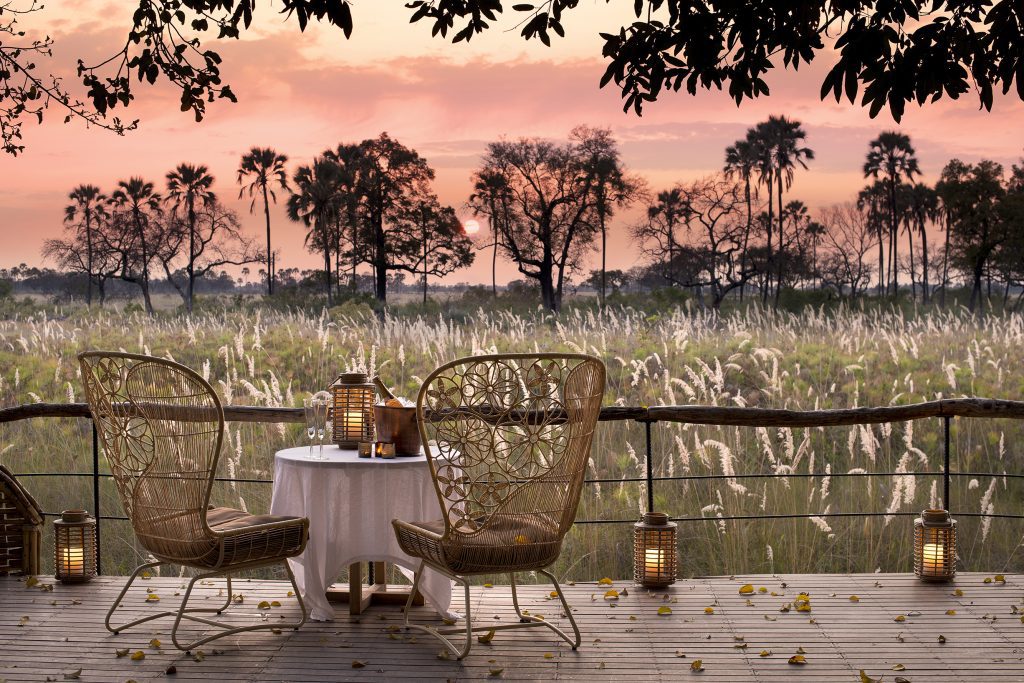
44, 635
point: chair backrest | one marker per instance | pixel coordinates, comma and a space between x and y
161, 427
513, 434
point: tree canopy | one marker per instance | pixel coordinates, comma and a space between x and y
889, 53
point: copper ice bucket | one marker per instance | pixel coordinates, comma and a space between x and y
398, 426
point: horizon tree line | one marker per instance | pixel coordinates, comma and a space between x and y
549, 205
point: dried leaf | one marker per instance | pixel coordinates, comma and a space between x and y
604, 582
487, 637
898, 667
611, 594
291, 594
900, 619
746, 589
495, 671
152, 597
138, 656
488, 585
765, 653
988, 579
1000, 578
122, 653
680, 653
664, 611
275, 603
801, 651
864, 678
171, 670
950, 612
198, 656
709, 610
359, 664
958, 593
901, 679
762, 589
854, 598
24, 620
697, 665
798, 659
263, 605
31, 582
72, 675
548, 655
942, 639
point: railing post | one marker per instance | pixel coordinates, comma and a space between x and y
650, 470
96, 493
945, 466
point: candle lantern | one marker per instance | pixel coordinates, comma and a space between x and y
74, 543
654, 551
352, 401
935, 546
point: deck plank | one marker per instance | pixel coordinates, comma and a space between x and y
621, 639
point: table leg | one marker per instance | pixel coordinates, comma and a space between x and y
360, 596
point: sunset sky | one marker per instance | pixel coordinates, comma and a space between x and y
302, 93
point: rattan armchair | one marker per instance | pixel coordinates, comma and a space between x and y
513, 436
161, 426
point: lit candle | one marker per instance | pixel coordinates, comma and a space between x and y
654, 561
74, 560
365, 449
353, 424
933, 558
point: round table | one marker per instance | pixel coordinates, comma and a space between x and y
350, 502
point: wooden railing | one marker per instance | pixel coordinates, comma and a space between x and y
944, 409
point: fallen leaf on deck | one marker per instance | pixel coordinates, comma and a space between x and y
155, 643
958, 593
709, 610
854, 598
495, 671
122, 653
611, 594
487, 637
898, 667
864, 678
950, 612
697, 665
171, 670
152, 597
679, 653
138, 656
604, 582
900, 619
72, 675
548, 655
23, 621
901, 679
942, 639
275, 603
746, 589
798, 659
359, 664
198, 656
263, 605
662, 611
801, 651
488, 585
765, 653
988, 579
762, 589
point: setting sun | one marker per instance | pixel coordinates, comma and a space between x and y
472, 226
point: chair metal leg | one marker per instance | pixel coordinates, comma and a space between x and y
526, 620
124, 591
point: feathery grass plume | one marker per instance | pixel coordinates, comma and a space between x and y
987, 508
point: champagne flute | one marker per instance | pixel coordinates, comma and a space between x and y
321, 422
309, 408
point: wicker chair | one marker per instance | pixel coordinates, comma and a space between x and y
161, 426
21, 527
513, 434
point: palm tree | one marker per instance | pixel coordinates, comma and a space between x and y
741, 161
190, 184
314, 203
870, 201
136, 196
669, 209
266, 168
88, 204
783, 140
764, 165
891, 156
924, 207
490, 192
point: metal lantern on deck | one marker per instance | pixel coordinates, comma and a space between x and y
935, 546
74, 543
654, 551
352, 401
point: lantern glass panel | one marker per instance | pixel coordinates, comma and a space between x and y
935, 546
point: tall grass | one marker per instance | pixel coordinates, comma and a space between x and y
754, 358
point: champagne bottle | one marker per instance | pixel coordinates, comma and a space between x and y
384, 392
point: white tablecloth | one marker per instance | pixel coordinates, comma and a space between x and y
350, 502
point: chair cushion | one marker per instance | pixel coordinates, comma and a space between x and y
238, 546
504, 544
